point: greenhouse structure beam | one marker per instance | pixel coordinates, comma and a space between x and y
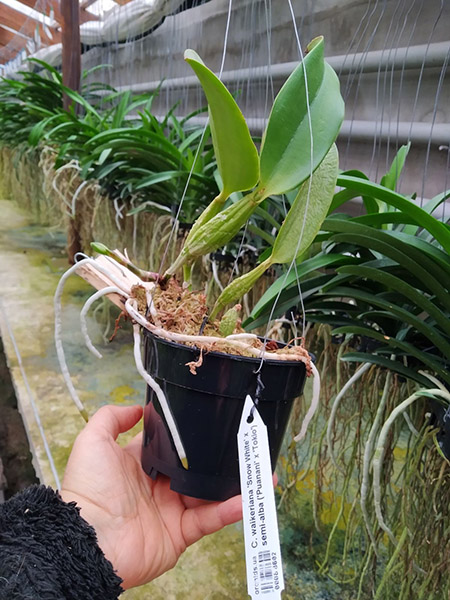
54, 5
27, 25
412, 57
401, 131
5, 36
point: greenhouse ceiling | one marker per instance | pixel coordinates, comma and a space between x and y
28, 25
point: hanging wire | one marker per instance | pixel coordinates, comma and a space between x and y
183, 196
433, 121
293, 263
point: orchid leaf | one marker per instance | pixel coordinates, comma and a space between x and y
387, 363
420, 216
392, 342
236, 154
308, 211
303, 124
391, 178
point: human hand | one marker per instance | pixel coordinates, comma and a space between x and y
142, 526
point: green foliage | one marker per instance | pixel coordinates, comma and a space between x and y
303, 124
389, 289
236, 155
298, 230
305, 119
115, 139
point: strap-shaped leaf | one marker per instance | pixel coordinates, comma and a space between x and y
319, 261
236, 154
387, 363
404, 315
286, 149
400, 250
392, 342
308, 211
390, 179
420, 216
402, 287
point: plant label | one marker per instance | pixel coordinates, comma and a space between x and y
262, 544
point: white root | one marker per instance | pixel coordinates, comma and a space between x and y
380, 452
149, 287
58, 340
358, 373
410, 425
58, 327
75, 196
368, 457
161, 397
434, 380
242, 336
84, 330
313, 406
215, 275
200, 340
73, 164
118, 214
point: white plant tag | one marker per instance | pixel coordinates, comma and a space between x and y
262, 544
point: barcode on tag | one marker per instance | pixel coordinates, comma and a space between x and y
262, 544
265, 572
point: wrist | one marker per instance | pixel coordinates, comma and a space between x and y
94, 516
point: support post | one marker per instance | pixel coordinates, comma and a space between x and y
71, 46
71, 71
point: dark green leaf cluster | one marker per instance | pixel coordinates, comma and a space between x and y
382, 278
115, 139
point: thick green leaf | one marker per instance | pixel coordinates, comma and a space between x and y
104, 155
105, 170
236, 154
432, 204
420, 216
428, 284
166, 176
400, 250
289, 153
121, 110
429, 207
287, 300
378, 219
370, 204
308, 211
438, 256
38, 130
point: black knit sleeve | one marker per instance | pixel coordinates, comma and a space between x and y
48, 552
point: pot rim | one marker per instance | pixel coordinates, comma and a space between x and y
250, 359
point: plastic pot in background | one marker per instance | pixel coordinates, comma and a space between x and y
207, 409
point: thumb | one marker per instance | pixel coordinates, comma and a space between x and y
111, 420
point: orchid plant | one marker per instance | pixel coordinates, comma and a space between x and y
297, 153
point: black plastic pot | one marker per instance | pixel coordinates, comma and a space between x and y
207, 409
